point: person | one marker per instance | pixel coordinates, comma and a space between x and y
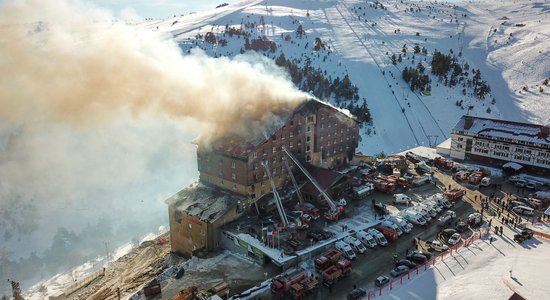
490, 240
394, 257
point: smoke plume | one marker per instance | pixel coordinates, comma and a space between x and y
70, 62
96, 120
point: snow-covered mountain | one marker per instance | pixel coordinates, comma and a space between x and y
505, 41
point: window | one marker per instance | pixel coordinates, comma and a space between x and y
291, 145
322, 125
310, 119
322, 116
308, 139
235, 187
308, 158
274, 160
274, 149
232, 165
291, 123
233, 176
308, 129
255, 166
255, 155
308, 149
291, 133
264, 153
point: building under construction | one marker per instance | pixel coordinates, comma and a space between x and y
237, 172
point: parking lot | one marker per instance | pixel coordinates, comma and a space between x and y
381, 260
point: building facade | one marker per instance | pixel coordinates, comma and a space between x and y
497, 142
196, 215
315, 132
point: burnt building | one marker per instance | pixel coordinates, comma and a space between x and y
196, 214
232, 176
318, 133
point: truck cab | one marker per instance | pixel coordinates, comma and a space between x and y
346, 250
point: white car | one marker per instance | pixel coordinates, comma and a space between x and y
444, 219
455, 239
439, 246
401, 199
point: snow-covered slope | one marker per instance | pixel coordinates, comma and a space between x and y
362, 36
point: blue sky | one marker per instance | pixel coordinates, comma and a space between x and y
158, 8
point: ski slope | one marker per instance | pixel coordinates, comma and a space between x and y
362, 40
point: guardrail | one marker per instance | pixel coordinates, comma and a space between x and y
398, 281
84, 282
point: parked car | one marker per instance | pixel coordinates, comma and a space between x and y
439, 246
454, 239
346, 250
399, 270
461, 226
315, 235
381, 281
447, 233
401, 199
446, 218
428, 255
524, 235
356, 294
405, 262
417, 258
531, 185
355, 244
520, 183
366, 238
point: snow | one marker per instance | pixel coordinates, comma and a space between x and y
489, 271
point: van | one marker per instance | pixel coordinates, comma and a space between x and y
441, 200
422, 180
434, 205
401, 223
413, 217
425, 209
401, 199
378, 237
391, 225
524, 210
355, 244
423, 213
346, 250
366, 239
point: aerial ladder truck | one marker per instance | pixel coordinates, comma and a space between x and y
311, 211
277, 198
335, 211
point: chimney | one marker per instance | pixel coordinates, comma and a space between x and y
545, 131
468, 122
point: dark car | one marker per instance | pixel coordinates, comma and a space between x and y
327, 234
315, 235
447, 233
461, 227
356, 294
524, 235
294, 243
407, 263
428, 255
417, 258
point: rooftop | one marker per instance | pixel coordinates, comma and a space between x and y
325, 177
204, 202
526, 132
241, 147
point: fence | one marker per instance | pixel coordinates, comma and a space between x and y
398, 281
541, 234
84, 282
